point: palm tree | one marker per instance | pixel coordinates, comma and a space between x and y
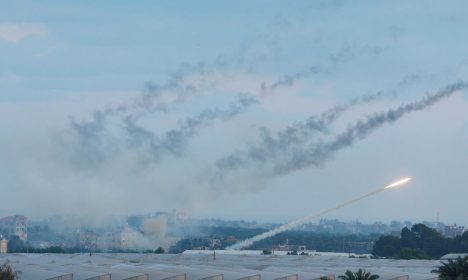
361, 274
453, 269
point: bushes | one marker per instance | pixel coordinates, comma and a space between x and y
6, 273
453, 269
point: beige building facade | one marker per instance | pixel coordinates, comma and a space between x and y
3, 246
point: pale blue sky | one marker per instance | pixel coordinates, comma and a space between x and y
64, 60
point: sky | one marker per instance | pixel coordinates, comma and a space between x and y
254, 110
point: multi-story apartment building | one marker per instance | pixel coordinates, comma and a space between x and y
15, 225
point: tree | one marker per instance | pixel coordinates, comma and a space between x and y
413, 253
408, 238
6, 273
453, 269
266, 252
160, 250
387, 245
361, 274
421, 242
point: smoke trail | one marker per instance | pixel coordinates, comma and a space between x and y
189, 79
153, 99
333, 61
288, 80
248, 242
324, 151
174, 140
291, 137
93, 138
150, 100
91, 134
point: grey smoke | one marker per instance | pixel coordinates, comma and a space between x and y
288, 80
151, 99
174, 141
323, 151
333, 61
94, 140
292, 136
148, 101
90, 137
295, 147
178, 86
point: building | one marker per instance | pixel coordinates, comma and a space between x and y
15, 225
3, 245
453, 231
290, 248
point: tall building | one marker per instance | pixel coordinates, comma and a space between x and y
3, 245
15, 225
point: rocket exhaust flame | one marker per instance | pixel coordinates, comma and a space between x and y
294, 224
398, 183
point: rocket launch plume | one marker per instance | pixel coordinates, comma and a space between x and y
248, 242
174, 140
322, 152
187, 81
297, 134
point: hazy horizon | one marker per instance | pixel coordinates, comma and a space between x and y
254, 110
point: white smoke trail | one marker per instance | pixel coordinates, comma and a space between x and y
248, 242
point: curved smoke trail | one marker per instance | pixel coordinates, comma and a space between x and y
298, 133
321, 152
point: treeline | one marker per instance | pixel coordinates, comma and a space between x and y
16, 245
204, 236
313, 241
419, 242
322, 242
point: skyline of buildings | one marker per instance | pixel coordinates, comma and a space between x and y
164, 229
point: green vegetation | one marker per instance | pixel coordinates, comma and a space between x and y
322, 242
421, 242
359, 244
160, 250
6, 273
453, 269
361, 274
413, 253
